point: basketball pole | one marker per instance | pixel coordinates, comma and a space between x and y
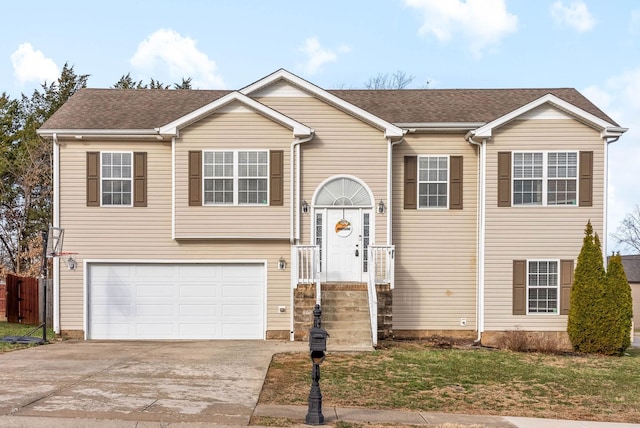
45, 239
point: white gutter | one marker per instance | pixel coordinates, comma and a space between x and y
608, 137
481, 211
173, 188
56, 223
389, 188
294, 215
294, 196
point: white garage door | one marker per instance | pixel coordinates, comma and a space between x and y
176, 301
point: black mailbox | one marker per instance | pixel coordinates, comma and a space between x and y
318, 339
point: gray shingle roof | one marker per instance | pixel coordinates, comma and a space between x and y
149, 108
631, 266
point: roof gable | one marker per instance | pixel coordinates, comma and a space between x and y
486, 130
261, 86
172, 128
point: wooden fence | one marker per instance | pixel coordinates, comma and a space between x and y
24, 300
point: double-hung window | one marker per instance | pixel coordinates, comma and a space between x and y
545, 178
116, 178
236, 177
433, 181
543, 286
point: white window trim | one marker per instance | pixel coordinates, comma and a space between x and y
418, 182
130, 179
557, 312
544, 178
236, 178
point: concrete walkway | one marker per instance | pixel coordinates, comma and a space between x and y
190, 384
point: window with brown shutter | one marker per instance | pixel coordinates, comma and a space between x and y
586, 179
93, 179
139, 179
566, 281
455, 182
276, 177
519, 287
195, 178
410, 182
504, 179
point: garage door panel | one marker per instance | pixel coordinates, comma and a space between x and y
176, 301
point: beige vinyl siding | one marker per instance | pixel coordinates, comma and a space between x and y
342, 145
144, 234
540, 232
238, 129
435, 248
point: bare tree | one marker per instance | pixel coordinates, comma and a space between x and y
397, 80
628, 232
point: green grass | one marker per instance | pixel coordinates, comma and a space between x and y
14, 329
471, 380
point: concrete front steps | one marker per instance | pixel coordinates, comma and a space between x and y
345, 316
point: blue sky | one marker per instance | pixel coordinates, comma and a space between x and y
591, 45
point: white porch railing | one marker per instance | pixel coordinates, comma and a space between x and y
381, 264
306, 267
381, 271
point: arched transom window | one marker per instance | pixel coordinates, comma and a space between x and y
343, 191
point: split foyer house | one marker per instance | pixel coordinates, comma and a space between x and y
201, 214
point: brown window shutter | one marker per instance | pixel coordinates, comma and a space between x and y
519, 287
586, 179
410, 182
276, 177
195, 178
140, 179
455, 182
504, 179
566, 281
93, 179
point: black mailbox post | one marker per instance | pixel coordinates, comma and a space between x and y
317, 346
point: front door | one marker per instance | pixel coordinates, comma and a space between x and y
344, 252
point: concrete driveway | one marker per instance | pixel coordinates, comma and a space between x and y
182, 381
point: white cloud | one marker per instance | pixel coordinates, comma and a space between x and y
618, 97
481, 23
30, 65
167, 49
575, 15
317, 55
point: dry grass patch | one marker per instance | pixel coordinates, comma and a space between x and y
418, 377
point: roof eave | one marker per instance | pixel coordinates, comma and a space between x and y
423, 127
102, 133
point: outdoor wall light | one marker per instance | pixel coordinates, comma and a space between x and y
282, 264
305, 207
71, 263
381, 207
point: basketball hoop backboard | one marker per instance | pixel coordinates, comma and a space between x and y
55, 241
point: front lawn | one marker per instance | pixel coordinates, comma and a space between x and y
14, 329
469, 380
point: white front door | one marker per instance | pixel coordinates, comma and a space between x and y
344, 250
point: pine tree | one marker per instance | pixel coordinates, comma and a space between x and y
585, 325
620, 309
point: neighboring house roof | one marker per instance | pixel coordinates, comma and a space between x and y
631, 266
127, 109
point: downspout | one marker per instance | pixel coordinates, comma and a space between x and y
294, 197
390, 187
56, 223
173, 188
480, 233
606, 195
294, 218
